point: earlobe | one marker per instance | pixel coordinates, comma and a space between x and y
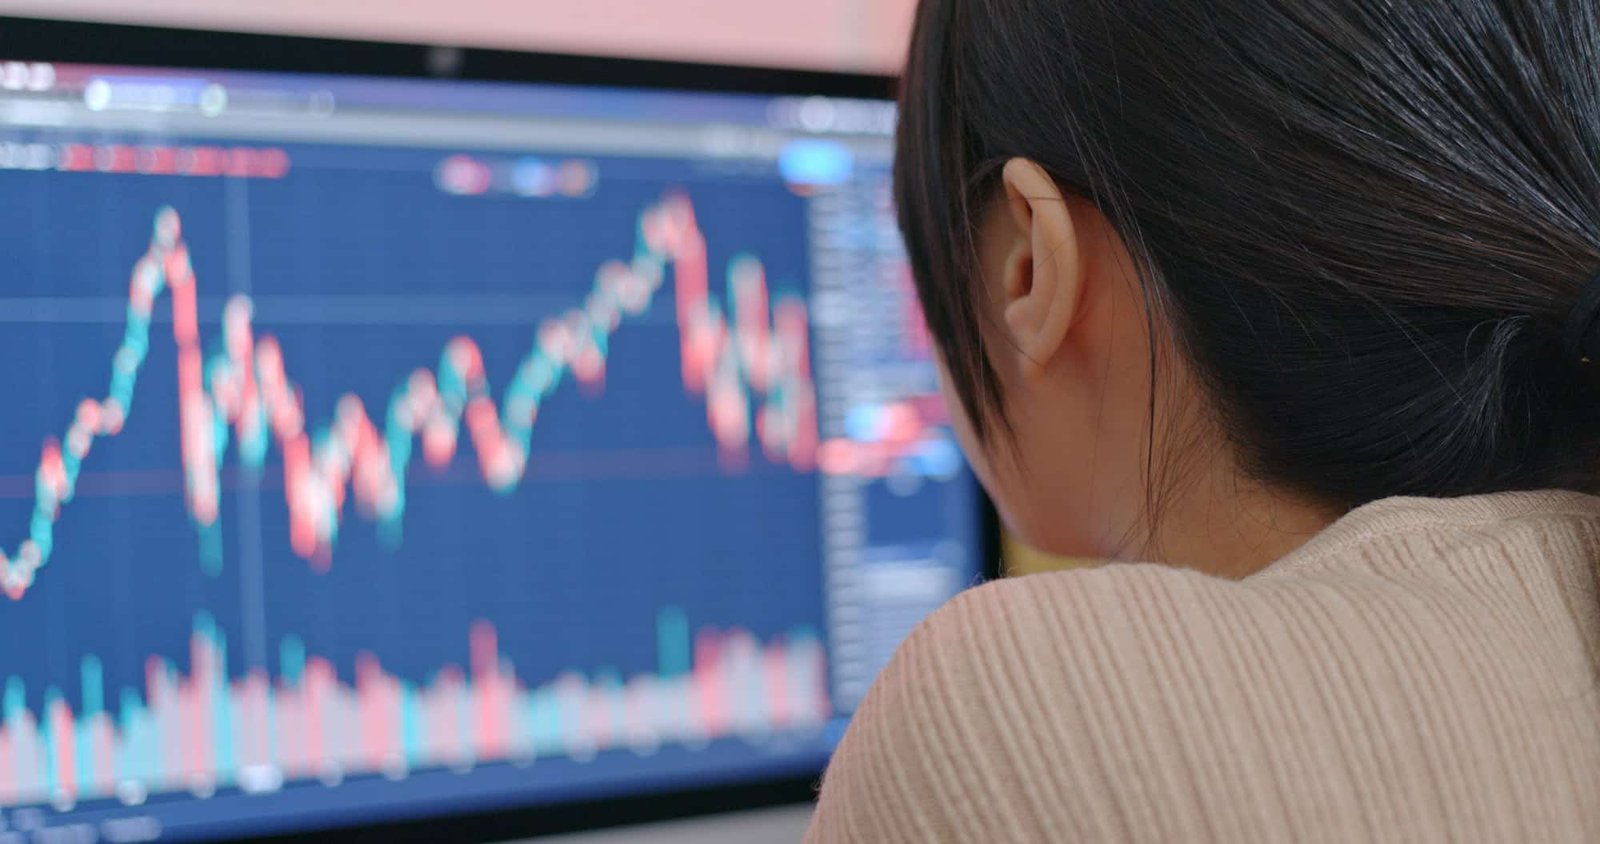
1043, 273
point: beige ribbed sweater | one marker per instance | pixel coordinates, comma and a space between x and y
1423, 670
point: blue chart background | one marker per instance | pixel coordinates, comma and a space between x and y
572, 567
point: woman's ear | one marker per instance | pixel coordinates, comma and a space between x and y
1043, 273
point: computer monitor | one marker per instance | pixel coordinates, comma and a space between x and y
380, 449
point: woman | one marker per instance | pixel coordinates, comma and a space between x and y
1298, 301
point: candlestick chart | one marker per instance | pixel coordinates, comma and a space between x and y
392, 485
244, 392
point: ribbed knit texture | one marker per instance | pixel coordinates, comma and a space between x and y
1422, 670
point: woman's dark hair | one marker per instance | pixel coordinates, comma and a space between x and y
1366, 221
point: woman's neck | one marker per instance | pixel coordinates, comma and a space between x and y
1223, 525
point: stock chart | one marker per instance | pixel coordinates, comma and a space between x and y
376, 450
338, 442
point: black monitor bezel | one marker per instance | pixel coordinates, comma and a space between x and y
31, 39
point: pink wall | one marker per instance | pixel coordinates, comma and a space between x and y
838, 34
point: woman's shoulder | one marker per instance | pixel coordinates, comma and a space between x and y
1023, 701
1150, 703
1113, 615
1117, 631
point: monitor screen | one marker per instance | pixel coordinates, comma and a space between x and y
380, 448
